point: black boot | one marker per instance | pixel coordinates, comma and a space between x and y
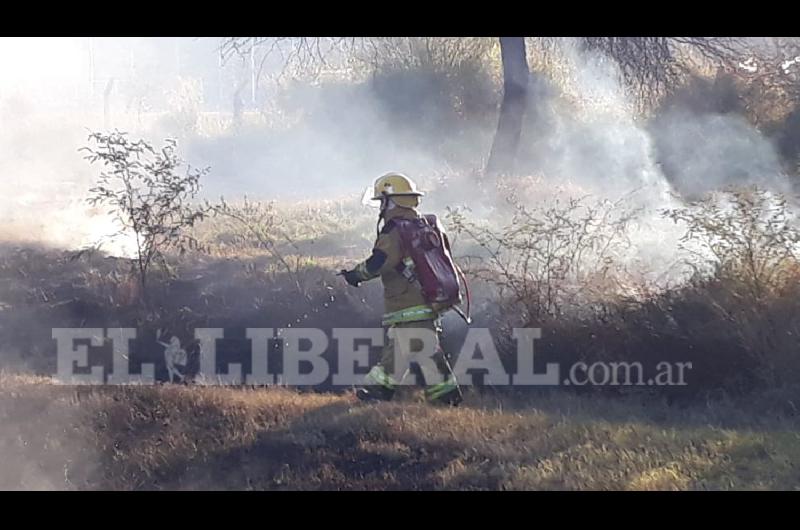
452, 398
447, 393
374, 393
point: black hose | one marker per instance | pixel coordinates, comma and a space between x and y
468, 318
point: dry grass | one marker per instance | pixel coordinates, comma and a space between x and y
168, 437
173, 437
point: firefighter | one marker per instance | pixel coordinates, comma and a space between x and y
405, 305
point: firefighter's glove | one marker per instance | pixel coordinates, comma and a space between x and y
352, 277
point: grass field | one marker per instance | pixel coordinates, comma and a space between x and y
177, 437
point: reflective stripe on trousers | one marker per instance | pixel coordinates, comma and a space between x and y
410, 314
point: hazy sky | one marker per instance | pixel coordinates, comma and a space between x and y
26, 60
63, 70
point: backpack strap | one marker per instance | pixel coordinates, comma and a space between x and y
402, 266
389, 225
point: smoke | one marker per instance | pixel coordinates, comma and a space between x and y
707, 152
341, 142
583, 132
337, 137
331, 138
45, 439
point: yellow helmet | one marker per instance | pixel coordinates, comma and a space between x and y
394, 185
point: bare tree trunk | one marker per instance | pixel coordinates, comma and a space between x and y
238, 105
512, 109
238, 100
107, 103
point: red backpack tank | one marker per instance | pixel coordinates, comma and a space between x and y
427, 247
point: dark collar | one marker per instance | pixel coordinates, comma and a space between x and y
401, 213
